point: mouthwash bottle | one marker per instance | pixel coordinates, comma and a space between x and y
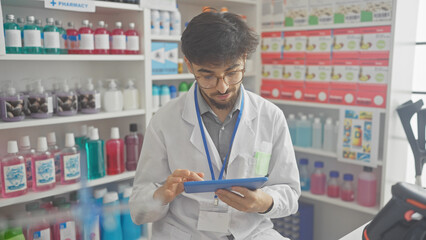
66, 100
32, 37
70, 161
133, 143
40, 102
12, 106
115, 153
27, 152
43, 167
56, 152
52, 42
95, 156
63, 37
12, 34
132, 40
86, 40
72, 39
12, 172
118, 44
39, 24
102, 44
80, 139
304, 132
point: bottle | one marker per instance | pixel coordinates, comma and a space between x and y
89, 98
303, 132
366, 188
66, 101
291, 122
72, 37
39, 24
40, 229
131, 231
328, 140
21, 22
333, 187
120, 189
132, 40
95, 156
317, 134
52, 42
164, 23
348, 193
155, 22
335, 136
86, 39
80, 139
155, 96
305, 179
130, 96
12, 233
118, 40
98, 195
70, 161
175, 22
63, 37
110, 220
56, 152
115, 153
43, 167
32, 37
133, 143
318, 179
65, 227
113, 98
12, 106
183, 88
180, 65
102, 35
164, 94
13, 173
12, 35
173, 92
27, 152
40, 102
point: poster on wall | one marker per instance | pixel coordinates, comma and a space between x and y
358, 140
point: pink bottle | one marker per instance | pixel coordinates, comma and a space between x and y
41, 228
27, 152
318, 179
102, 39
132, 40
65, 227
333, 188
70, 161
348, 193
72, 37
115, 153
366, 189
118, 40
12, 172
43, 167
86, 39
56, 152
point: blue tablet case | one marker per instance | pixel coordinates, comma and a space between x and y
212, 186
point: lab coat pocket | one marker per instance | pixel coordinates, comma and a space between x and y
172, 232
262, 156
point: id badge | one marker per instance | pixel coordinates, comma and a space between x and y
214, 218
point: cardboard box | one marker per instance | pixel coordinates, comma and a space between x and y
272, 71
294, 44
319, 95
158, 58
344, 74
321, 12
171, 58
342, 96
266, 13
293, 72
371, 98
278, 16
294, 93
346, 43
374, 72
348, 11
271, 45
318, 44
377, 10
272, 91
375, 42
318, 74
296, 13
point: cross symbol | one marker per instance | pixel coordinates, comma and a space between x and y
53, 2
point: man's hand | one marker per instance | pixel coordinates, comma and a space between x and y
174, 185
251, 201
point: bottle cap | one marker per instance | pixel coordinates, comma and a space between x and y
118, 24
303, 117
317, 120
329, 121
32, 206
165, 90
127, 192
101, 24
58, 23
110, 197
130, 83
132, 25
304, 161
85, 23
58, 201
115, 134
133, 127
89, 131
10, 17
41, 144
69, 140
70, 24
172, 89
83, 130
155, 90
348, 177
183, 87
39, 88
51, 138
319, 164
112, 84
11, 91
50, 21
122, 186
25, 141
30, 19
12, 147
291, 116
180, 60
94, 135
89, 85
368, 169
224, 9
334, 174
99, 193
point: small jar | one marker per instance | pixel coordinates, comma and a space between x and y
348, 192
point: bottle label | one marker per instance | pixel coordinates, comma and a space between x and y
86, 41
13, 38
97, 100
133, 43
51, 40
42, 235
64, 41
49, 105
102, 41
67, 230
45, 172
15, 178
32, 38
119, 42
13, 108
72, 166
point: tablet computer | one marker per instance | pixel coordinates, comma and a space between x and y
213, 185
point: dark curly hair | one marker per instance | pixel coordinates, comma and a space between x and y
217, 38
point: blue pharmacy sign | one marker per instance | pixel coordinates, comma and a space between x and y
71, 5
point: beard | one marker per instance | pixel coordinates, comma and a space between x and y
219, 105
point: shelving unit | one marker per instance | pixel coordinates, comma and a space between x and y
331, 26
320, 105
172, 38
70, 57
183, 76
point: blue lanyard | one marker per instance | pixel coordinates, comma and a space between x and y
203, 135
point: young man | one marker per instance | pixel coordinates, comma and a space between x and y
241, 136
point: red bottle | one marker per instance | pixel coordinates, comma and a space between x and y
86, 39
118, 40
12, 172
72, 37
41, 228
115, 153
65, 226
27, 152
132, 40
333, 187
102, 39
43, 167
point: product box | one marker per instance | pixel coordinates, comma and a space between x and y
294, 44
272, 71
342, 96
371, 97
344, 74
266, 13
318, 44
268, 90
374, 72
271, 45
376, 11
290, 92
171, 56
375, 42
158, 58
319, 95
346, 43
348, 11
321, 12
296, 12
293, 72
278, 16
318, 73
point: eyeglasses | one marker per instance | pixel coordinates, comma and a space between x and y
211, 80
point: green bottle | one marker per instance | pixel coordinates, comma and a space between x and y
183, 88
62, 36
13, 234
95, 156
51, 37
12, 34
32, 37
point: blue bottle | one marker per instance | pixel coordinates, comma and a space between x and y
111, 218
155, 96
291, 122
95, 156
173, 92
131, 231
164, 95
304, 132
305, 178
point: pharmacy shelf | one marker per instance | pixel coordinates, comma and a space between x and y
332, 26
61, 189
340, 203
71, 57
218, 2
170, 38
323, 105
70, 119
183, 76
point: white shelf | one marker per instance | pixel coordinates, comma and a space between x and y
183, 76
338, 202
174, 38
61, 189
323, 105
218, 2
70, 119
314, 151
332, 26
71, 57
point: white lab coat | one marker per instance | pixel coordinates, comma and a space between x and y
173, 141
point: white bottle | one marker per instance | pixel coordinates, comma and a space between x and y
328, 139
175, 22
155, 22
164, 23
130, 96
291, 122
335, 136
317, 133
113, 98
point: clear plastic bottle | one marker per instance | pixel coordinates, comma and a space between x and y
333, 186
155, 22
132, 40
40, 102
130, 96
56, 152
164, 23
63, 37
113, 97
118, 40
317, 134
133, 143
291, 122
12, 34
32, 37
95, 156
27, 152
102, 36
72, 39
304, 132
328, 138
305, 179
89, 98
366, 188
86, 39
13, 172
52, 39
348, 191
43, 167
115, 153
12, 106
70, 161
66, 100
318, 179
175, 22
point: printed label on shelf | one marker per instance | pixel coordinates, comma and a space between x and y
119, 42
51, 40
14, 178
86, 41
72, 166
45, 172
13, 38
67, 230
42, 234
71, 5
101, 41
133, 43
32, 38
